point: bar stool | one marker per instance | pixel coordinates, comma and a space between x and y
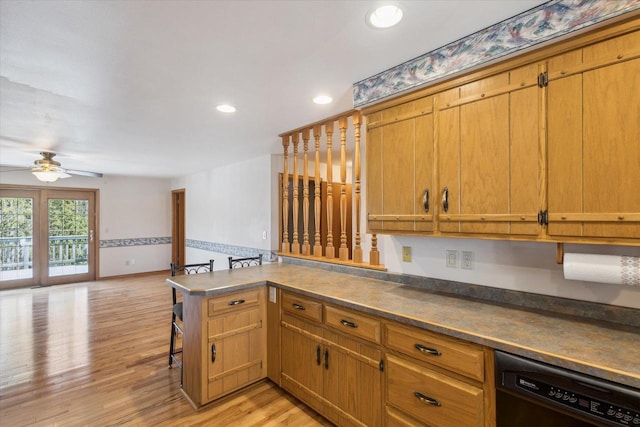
177, 312
244, 262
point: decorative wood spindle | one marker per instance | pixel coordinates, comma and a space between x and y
306, 249
317, 203
374, 255
286, 244
357, 121
295, 246
330, 250
344, 250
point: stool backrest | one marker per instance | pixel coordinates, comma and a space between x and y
244, 262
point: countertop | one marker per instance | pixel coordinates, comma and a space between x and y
603, 350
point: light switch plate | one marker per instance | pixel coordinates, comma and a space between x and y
452, 259
272, 294
406, 254
467, 260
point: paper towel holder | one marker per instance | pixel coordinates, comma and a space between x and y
560, 253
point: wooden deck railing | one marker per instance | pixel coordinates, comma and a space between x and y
300, 244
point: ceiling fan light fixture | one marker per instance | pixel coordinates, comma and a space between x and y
384, 16
46, 175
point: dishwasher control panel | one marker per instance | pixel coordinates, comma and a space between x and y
567, 391
601, 409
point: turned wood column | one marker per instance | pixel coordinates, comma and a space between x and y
306, 249
330, 250
295, 246
317, 203
357, 121
344, 250
286, 245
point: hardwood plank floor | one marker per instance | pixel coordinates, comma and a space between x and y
96, 354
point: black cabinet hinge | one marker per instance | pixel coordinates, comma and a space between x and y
543, 217
381, 365
543, 79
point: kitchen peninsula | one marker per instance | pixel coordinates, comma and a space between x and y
470, 328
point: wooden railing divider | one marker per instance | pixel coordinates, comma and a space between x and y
302, 247
286, 245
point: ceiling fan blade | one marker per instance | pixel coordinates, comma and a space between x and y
83, 173
10, 169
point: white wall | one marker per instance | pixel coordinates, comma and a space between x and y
129, 208
229, 205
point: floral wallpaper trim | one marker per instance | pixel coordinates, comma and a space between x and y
142, 241
542, 23
236, 251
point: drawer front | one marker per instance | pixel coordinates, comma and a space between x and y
457, 356
352, 323
433, 398
302, 306
396, 418
235, 301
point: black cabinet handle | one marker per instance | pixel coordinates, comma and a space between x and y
431, 351
236, 302
298, 306
425, 200
318, 351
213, 353
426, 399
445, 199
326, 358
348, 323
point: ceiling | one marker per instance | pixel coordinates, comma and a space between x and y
130, 87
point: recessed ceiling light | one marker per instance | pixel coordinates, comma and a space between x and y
384, 16
225, 108
322, 99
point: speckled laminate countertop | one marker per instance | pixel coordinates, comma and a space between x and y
603, 350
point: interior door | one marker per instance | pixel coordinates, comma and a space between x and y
47, 236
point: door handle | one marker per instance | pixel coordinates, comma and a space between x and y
432, 351
298, 306
213, 353
318, 351
326, 358
426, 399
91, 235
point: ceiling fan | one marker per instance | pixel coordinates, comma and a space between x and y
48, 170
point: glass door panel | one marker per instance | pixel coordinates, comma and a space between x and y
68, 237
70, 245
18, 214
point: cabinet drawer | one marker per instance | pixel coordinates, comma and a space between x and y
302, 306
233, 301
462, 358
431, 397
352, 323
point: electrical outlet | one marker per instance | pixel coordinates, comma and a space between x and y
467, 260
452, 259
406, 254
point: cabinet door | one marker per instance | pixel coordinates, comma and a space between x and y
236, 351
352, 381
593, 143
302, 361
400, 167
488, 139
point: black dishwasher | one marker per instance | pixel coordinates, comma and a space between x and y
534, 394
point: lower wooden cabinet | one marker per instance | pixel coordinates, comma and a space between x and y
337, 375
224, 343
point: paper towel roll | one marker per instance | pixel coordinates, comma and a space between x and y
620, 270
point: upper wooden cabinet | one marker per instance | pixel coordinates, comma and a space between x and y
542, 147
594, 140
400, 174
487, 135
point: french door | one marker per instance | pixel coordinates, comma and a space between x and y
47, 236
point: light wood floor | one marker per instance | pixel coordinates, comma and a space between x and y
95, 353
